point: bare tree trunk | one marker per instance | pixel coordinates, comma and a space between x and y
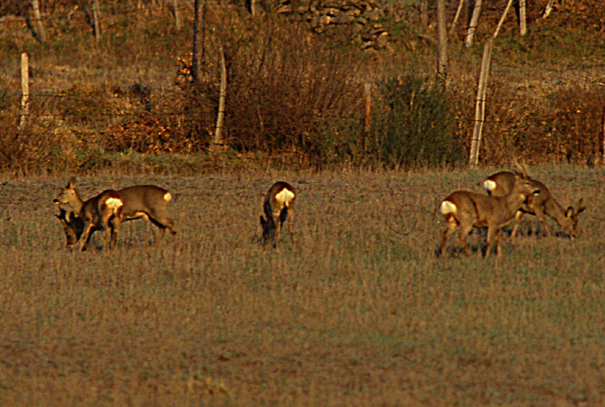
198, 41
96, 17
522, 18
253, 7
218, 140
548, 8
424, 15
177, 14
38, 18
480, 103
456, 17
442, 42
472, 26
510, 2
24, 89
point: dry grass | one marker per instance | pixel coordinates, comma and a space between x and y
363, 313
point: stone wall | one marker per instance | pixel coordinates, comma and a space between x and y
357, 21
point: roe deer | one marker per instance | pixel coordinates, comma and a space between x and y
539, 204
95, 212
466, 210
72, 226
279, 201
140, 201
149, 202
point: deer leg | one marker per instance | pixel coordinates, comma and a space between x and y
85, 234
540, 215
450, 228
290, 215
518, 217
114, 231
277, 231
464, 231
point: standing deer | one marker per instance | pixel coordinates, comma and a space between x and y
539, 204
278, 204
95, 212
149, 202
141, 201
466, 210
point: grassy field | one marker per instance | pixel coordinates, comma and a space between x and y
362, 313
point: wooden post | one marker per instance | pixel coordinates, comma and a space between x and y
96, 16
480, 103
522, 18
218, 140
38, 18
24, 89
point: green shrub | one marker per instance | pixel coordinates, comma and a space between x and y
414, 125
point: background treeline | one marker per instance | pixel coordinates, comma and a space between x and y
361, 93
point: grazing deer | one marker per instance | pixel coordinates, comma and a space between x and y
72, 226
539, 204
95, 212
466, 210
278, 206
141, 201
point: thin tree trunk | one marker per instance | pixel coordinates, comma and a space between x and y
177, 14
548, 9
472, 26
24, 89
96, 17
424, 15
522, 18
456, 17
480, 103
442, 42
198, 41
218, 140
508, 5
38, 18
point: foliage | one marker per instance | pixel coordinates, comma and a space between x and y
415, 125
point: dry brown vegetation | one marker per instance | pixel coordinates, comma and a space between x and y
363, 313
294, 93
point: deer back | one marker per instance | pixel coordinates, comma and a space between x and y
140, 200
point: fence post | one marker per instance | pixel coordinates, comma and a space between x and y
96, 16
24, 89
480, 103
218, 140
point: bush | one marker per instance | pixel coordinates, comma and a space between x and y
414, 125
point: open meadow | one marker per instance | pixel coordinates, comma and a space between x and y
363, 312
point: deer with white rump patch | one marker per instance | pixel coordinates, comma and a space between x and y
140, 201
542, 203
278, 207
95, 212
466, 210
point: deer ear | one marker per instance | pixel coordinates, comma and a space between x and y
569, 212
581, 207
72, 182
